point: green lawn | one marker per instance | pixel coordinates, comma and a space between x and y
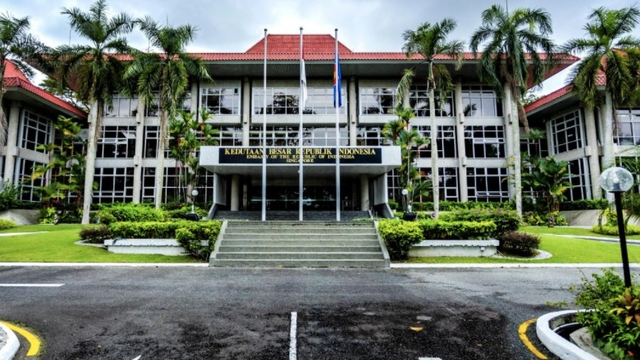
56, 244
49, 243
564, 249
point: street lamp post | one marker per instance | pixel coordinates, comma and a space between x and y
617, 180
194, 193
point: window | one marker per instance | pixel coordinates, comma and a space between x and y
117, 142
380, 100
448, 181
628, 127
285, 101
288, 136
122, 107
480, 101
419, 101
221, 101
369, 136
487, 184
229, 136
578, 175
114, 185
393, 185
484, 141
151, 136
35, 131
29, 189
446, 140
566, 132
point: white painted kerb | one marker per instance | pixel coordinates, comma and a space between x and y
9, 343
558, 345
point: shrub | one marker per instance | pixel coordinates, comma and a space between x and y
456, 230
47, 215
611, 305
181, 213
9, 195
6, 224
518, 243
469, 205
400, 236
613, 230
505, 220
393, 205
130, 212
95, 234
188, 233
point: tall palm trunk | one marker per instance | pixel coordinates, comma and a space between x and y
90, 171
606, 114
162, 143
435, 175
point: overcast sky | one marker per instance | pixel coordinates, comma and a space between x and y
363, 25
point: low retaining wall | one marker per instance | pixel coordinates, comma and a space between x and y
169, 247
472, 248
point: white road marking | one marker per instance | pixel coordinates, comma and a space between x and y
31, 285
138, 358
429, 359
292, 335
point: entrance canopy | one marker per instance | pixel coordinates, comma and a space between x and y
285, 161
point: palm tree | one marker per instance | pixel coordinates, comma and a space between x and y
17, 45
167, 75
431, 41
610, 49
510, 60
94, 74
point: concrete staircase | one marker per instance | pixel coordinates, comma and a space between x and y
290, 215
299, 244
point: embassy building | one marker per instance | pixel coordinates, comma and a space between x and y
346, 164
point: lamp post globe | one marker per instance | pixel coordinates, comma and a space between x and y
617, 180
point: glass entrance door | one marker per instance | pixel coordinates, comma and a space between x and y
285, 198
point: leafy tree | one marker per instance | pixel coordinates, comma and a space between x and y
66, 165
430, 41
549, 178
188, 134
16, 45
611, 50
93, 73
510, 61
165, 78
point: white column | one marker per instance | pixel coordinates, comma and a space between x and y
592, 152
235, 192
512, 127
12, 141
462, 153
246, 111
352, 113
139, 155
364, 193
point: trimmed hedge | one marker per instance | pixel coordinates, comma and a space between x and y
505, 220
131, 213
188, 233
518, 243
457, 230
469, 205
400, 236
182, 212
95, 234
613, 230
584, 204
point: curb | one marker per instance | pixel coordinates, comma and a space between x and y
562, 348
9, 347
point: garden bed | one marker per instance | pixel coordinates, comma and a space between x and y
469, 248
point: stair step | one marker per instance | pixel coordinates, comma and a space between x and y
300, 255
293, 242
363, 263
305, 236
226, 248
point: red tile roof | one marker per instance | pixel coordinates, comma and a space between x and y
548, 98
15, 78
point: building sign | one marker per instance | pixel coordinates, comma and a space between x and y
311, 155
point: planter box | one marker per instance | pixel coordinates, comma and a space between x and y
471, 248
146, 246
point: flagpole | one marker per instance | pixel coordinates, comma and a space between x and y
337, 105
264, 132
303, 81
